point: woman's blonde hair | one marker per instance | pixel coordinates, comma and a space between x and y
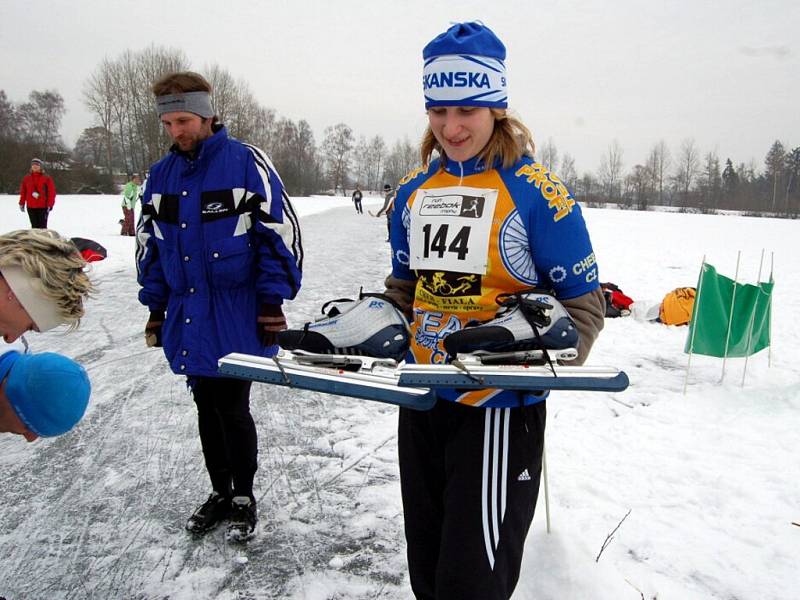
56, 262
510, 141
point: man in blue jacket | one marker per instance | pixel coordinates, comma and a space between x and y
218, 251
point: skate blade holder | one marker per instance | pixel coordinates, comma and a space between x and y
379, 382
518, 357
345, 362
526, 378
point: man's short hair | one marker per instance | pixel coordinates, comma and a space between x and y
181, 82
56, 266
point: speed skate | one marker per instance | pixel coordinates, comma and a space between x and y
356, 348
526, 374
413, 385
344, 375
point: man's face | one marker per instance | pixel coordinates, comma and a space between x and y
186, 129
137, 180
14, 320
36, 168
9, 421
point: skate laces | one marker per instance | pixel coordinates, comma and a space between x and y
536, 313
334, 311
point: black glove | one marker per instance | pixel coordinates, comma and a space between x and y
270, 322
152, 331
21, 208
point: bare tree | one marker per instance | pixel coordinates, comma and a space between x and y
13, 157
235, 104
9, 126
41, 118
264, 129
792, 181
118, 95
99, 96
610, 172
658, 162
361, 162
337, 148
90, 149
295, 157
377, 152
686, 170
547, 154
567, 173
586, 189
400, 161
638, 186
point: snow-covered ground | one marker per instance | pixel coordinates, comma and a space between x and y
710, 478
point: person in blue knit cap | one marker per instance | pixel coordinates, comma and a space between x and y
479, 221
41, 395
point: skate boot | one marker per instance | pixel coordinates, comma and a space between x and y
526, 323
370, 326
244, 517
209, 514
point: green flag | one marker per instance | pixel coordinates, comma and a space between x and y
722, 303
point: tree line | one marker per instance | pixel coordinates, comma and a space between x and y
126, 137
687, 179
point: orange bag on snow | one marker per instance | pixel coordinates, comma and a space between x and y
676, 307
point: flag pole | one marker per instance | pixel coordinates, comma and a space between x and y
546, 487
695, 309
769, 306
730, 318
752, 319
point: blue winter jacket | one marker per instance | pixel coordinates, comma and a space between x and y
216, 239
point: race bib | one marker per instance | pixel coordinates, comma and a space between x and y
450, 229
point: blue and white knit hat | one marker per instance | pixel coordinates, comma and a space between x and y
464, 67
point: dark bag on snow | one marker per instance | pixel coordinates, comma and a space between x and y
617, 303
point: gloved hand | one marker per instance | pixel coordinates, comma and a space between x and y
35, 194
152, 330
270, 322
21, 208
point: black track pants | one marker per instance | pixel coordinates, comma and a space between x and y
227, 434
469, 479
38, 218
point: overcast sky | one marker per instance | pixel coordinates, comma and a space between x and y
726, 73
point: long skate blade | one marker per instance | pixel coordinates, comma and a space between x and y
514, 377
380, 384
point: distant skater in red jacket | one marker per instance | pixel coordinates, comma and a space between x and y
38, 192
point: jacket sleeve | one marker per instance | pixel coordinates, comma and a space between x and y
23, 191
51, 192
276, 231
154, 292
588, 311
402, 282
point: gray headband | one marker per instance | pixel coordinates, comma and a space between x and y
198, 103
